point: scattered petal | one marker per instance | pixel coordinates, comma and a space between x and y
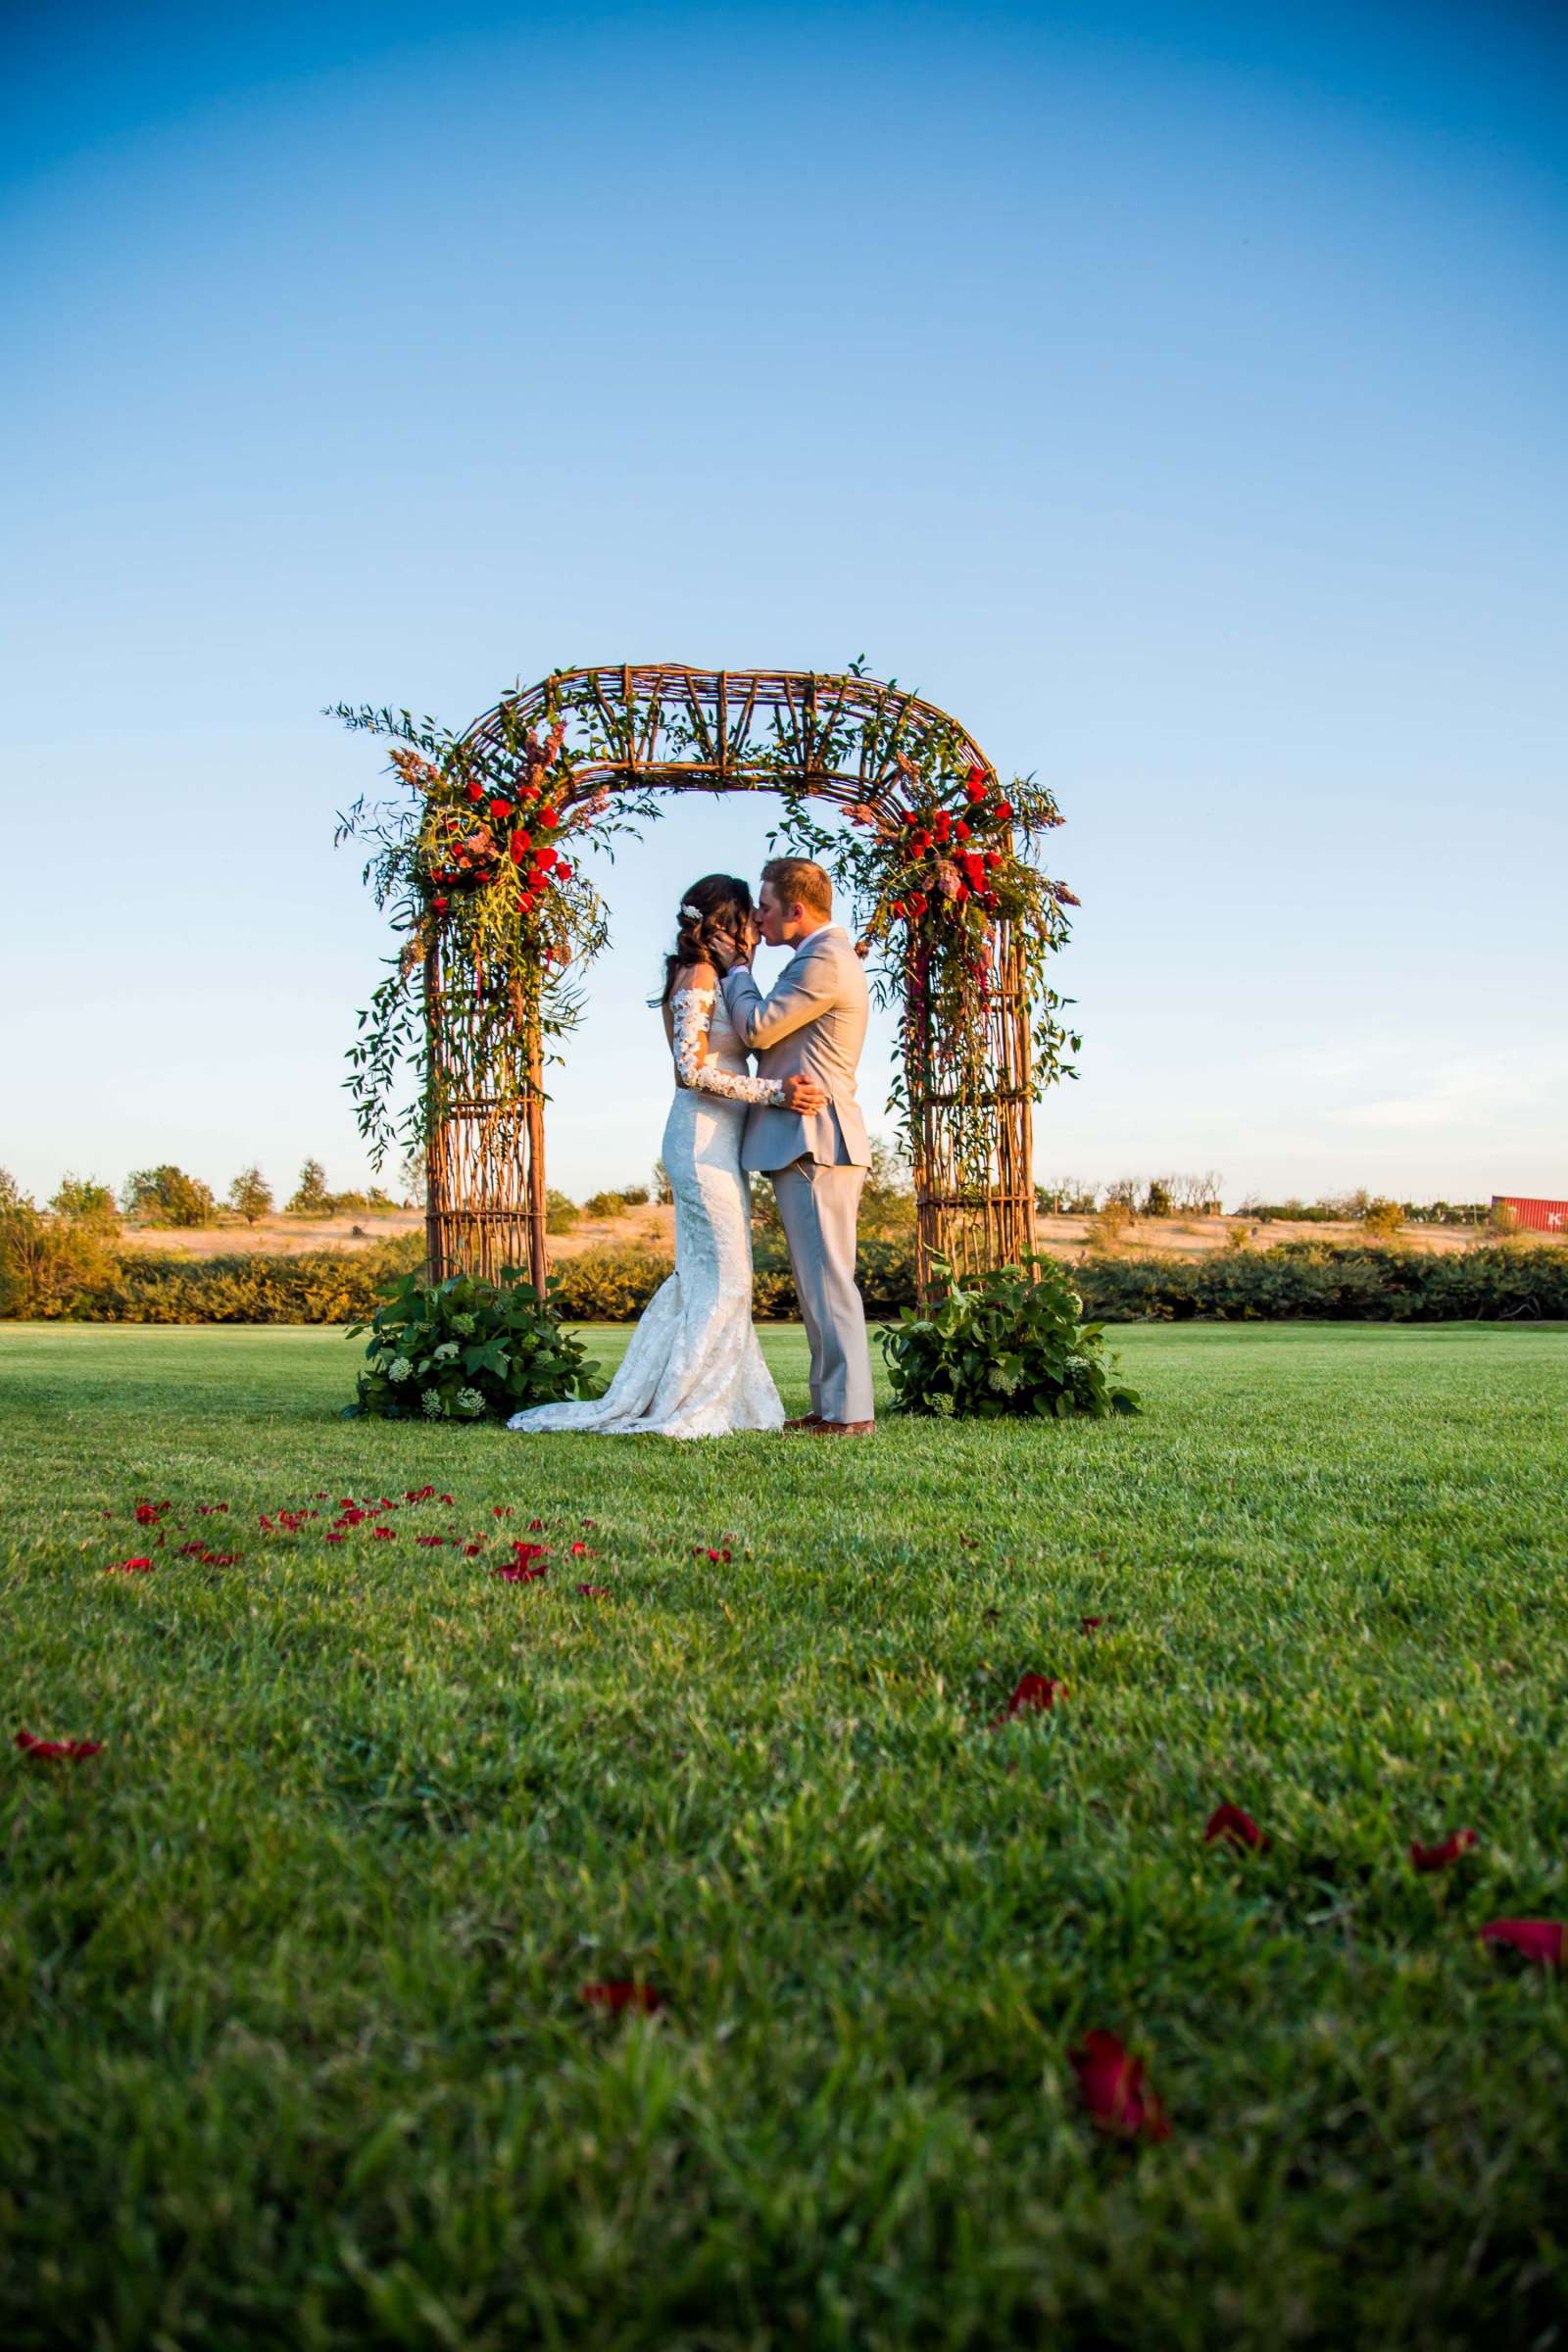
71, 1750
472, 1552
385, 1535
1111, 2085
580, 1551
429, 1538
517, 1572
501, 1510
140, 1567
594, 1592
1091, 1625
622, 1996
1538, 1941
1235, 1827
1438, 1857
148, 1514
1036, 1695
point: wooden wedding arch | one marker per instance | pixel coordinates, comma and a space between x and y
663, 726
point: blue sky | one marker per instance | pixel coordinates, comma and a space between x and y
1177, 394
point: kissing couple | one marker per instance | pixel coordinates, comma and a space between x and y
694, 1368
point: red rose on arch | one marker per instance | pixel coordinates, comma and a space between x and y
475, 792
1003, 812
550, 818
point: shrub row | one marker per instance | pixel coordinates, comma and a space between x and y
1297, 1280
1310, 1281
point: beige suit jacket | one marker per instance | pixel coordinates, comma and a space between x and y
812, 1025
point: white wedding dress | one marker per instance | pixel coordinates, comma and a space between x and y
694, 1368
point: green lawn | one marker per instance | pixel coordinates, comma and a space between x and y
293, 2051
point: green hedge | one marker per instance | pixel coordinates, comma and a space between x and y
1296, 1281
321, 1286
1312, 1281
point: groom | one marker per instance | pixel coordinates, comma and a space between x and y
814, 1024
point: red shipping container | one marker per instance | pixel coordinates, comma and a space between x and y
1533, 1216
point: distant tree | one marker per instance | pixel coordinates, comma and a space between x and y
167, 1195
560, 1213
83, 1201
1124, 1194
1384, 1218
251, 1194
311, 1197
412, 1177
48, 1262
1158, 1200
662, 1187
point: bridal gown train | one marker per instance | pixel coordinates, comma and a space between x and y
694, 1368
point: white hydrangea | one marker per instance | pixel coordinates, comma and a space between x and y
1000, 1383
470, 1400
464, 1324
399, 1368
446, 1351
433, 1404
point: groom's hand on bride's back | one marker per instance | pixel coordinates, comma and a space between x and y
804, 1095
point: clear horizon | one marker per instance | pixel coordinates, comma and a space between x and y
1178, 399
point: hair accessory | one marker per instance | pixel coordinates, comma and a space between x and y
690, 913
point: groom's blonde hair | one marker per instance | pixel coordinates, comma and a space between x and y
799, 881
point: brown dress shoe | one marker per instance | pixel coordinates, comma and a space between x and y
843, 1429
804, 1421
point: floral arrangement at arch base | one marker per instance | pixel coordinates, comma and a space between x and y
1006, 1342
466, 1349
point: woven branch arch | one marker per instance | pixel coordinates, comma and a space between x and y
848, 740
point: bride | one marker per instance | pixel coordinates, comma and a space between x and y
694, 1368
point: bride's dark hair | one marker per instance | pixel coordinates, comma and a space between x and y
717, 903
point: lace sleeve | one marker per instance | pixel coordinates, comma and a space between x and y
691, 1009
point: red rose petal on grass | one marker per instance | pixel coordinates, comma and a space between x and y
705, 1551
1235, 1827
1438, 1857
537, 1527
220, 1559
472, 1552
622, 1996
1540, 1941
335, 1535
148, 1514
385, 1535
517, 1572
442, 1498
580, 1551
207, 1509
1091, 1625
1036, 1695
52, 1751
140, 1567
1111, 2086
594, 1592
429, 1538
590, 1523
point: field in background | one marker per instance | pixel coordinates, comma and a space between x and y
655, 1228
296, 2048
